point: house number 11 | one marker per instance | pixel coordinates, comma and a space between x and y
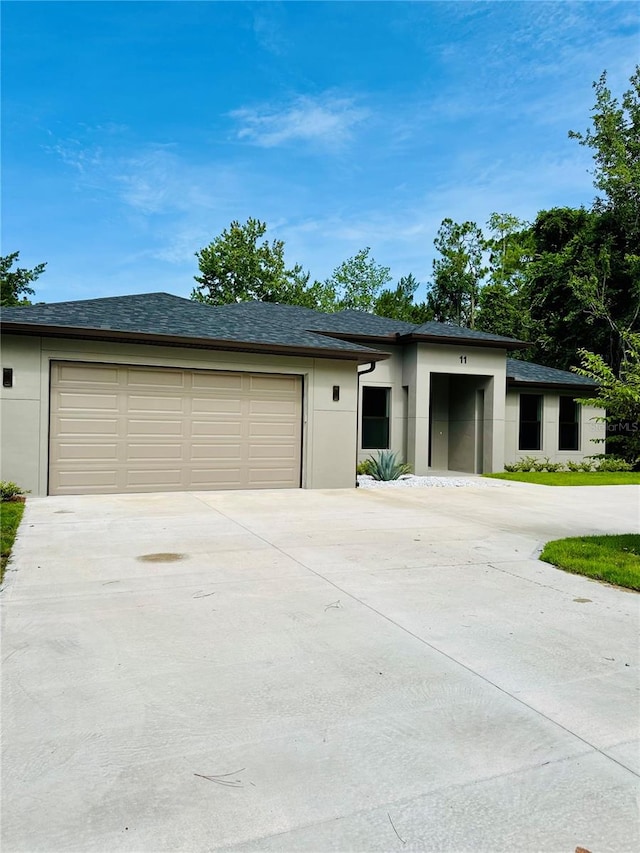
463, 359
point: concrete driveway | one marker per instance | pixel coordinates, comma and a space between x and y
318, 670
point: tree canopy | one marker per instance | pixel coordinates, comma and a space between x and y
236, 267
356, 283
15, 284
457, 273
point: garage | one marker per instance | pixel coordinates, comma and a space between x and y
117, 428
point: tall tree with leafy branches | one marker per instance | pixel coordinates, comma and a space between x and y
399, 303
610, 289
457, 274
238, 266
15, 284
503, 306
358, 281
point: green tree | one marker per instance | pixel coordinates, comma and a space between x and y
357, 282
399, 304
580, 287
503, 311
237, 267
615, 140
502, 303
15, 285
510, 248
619, 395
457, 274
609, 287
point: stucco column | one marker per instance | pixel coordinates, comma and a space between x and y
416, 377
497, 400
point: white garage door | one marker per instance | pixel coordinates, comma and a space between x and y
116, 428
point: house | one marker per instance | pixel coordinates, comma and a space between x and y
158, 393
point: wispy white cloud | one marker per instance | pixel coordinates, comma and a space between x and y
328, 119
269, 27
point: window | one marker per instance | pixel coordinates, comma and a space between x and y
530, 434
569, 425
375, 418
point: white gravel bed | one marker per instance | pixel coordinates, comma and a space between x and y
411, 481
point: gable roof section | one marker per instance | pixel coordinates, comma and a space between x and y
165, 319
527, 373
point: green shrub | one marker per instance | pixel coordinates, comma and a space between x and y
612, 464
386, 466
580, 467
9, 490
364, 467
553, 467
531, 463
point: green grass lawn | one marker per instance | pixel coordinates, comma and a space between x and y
572, 478
615, 559
10, 518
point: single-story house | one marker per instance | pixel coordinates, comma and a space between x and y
158, 393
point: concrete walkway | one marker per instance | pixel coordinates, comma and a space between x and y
314, 670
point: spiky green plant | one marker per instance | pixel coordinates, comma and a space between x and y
385, 466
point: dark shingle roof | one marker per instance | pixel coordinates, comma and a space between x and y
260, 324
527, 373
361, 323
165, 316
458, 333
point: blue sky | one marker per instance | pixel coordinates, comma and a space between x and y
134, 132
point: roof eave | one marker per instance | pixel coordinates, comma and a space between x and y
387, 340
459, 339
119, 336
553, 386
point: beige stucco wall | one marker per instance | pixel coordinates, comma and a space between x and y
488, 367
589, 428
410, 372
329, 430
469, 426
388, 374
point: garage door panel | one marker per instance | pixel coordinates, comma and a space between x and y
118, 428
217, 382
280, 385
87, 480
272, 451
269, 478
155, 427
165, 378
152, 404
213, 452
265, 429
275, 408
83, 453
159, 452
217, 478
86, 426
86, 401
221, 406
231, 428
95, 375
158, 479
